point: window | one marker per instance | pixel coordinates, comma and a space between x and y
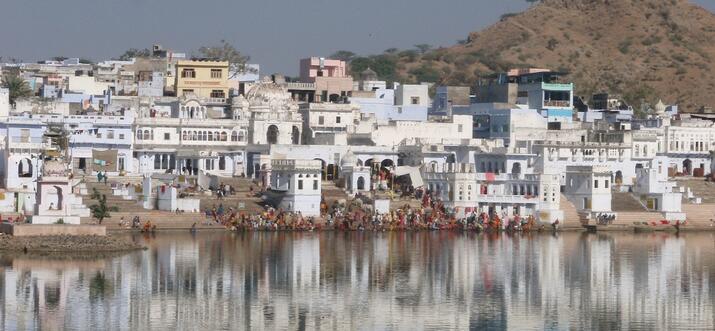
140, 136
110, 134
167, 136
595, 183
337, 119
315, 184
188, 73
121, 136
300, 184
188, 91
218, 94
215, 73
605, 183
415, 100
234, 136
321, 120
459, 128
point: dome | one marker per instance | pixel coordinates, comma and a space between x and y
369, 75
660, 108
348, 160
269, 94
240, 102
54, 168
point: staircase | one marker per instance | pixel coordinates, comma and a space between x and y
332, 193
700, 188
700, 215
571, 214
112, 200
625, 202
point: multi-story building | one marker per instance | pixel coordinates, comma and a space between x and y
202, 77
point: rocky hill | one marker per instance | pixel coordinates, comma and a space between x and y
641, 49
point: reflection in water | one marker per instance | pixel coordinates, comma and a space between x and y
371, 281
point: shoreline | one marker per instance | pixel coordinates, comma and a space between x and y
596, 229
67, 244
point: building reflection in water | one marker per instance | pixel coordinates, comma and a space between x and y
409, 281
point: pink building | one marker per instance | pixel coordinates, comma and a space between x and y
313, 67
330, 78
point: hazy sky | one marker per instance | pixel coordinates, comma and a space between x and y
275, 33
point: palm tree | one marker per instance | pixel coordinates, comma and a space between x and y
18, 87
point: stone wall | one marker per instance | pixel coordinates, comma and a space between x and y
26, 230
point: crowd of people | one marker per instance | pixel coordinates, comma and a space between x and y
357, 216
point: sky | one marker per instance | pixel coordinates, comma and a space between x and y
274, 33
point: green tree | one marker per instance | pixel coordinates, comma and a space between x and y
226, 52
343, 55
100, 210
19, 88
423, 48
134, 53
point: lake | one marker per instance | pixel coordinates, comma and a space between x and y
370, 281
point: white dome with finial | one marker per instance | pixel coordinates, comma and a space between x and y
349, 159
269, 94
660, 108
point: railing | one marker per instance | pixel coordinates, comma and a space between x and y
557, 103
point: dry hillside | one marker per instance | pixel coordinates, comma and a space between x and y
642, 49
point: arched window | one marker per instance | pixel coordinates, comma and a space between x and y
140, 135
184, 135
211, 136
147, 134
194, 136
241, 135
234, 136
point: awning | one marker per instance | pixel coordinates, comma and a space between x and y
413, 172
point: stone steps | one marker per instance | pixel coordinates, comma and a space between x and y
700, 188
571, 214
625, 202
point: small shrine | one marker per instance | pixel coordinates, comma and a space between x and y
55, 202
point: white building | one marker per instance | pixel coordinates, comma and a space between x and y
654, 189
299, 184
589, 187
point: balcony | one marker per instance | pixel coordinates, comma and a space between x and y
557, 103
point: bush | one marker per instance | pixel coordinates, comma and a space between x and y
624, 46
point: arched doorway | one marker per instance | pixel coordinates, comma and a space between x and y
387, 163
57, 201
619, 177
272, 135
24, 168
331, 172
688, 167
361, 183
295, 136
322, 169
516, 169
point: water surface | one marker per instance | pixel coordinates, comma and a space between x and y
371, 281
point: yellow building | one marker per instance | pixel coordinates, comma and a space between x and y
203, 78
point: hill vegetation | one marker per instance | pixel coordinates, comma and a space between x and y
641, 49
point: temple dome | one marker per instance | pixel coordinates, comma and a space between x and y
368, 75
240, 102
269, 94
349, 159
660, 108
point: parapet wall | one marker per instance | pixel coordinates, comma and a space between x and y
27, 230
